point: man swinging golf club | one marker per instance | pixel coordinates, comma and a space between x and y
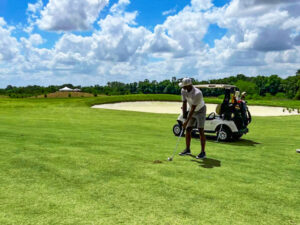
197, 113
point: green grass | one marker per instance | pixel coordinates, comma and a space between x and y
65, 163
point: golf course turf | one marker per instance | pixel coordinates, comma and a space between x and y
63, 162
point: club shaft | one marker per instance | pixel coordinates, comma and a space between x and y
177, 144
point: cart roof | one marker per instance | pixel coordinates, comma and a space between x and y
225, 86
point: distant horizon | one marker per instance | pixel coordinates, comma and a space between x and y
87, 42
177, 78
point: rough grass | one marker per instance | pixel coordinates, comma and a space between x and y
65, 163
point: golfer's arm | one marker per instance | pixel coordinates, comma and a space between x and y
191, 112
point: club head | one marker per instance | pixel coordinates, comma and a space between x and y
170, 159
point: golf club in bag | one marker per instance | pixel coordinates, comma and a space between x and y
171, 158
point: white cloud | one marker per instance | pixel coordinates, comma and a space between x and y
183, 33
201, 4
170, 11
9, 46
120, 6
36, 39
117, 41
256, 42
70, 15
35, 8
33, 11
160, 42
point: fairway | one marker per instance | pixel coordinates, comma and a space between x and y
63, 162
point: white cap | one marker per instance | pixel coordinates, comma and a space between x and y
185, 82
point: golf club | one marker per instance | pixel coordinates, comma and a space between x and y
171, 158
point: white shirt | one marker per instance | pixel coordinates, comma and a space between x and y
194, 97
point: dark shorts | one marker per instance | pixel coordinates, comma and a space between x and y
199, 117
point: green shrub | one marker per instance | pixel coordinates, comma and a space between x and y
249, 96
95, 94
280, 95
268, 96
256, 97
69, 95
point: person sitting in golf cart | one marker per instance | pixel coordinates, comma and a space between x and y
197, 113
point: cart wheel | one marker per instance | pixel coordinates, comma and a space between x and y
224, 134
177, 129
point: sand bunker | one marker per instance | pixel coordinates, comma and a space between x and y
175, 108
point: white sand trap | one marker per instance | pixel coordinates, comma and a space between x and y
175, 108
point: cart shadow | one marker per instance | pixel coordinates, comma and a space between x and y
241, 142
207, 162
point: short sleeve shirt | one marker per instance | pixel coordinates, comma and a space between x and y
194, 97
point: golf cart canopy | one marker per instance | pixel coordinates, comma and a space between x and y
224, 86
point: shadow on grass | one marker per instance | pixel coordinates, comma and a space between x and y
241, 142
207, 162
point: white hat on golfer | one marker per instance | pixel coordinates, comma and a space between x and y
185, 82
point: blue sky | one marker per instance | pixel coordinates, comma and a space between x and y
93, 42
150, 13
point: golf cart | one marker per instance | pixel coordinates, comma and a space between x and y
230, 120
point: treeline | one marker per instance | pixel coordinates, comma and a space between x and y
256, 87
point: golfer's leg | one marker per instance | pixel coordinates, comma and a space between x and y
202, 139
188, 137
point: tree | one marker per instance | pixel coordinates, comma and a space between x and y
273, 84
247, 86
261, 82
291, 85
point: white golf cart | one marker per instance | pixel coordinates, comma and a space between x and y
230, 120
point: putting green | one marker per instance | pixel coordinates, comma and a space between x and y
65, 163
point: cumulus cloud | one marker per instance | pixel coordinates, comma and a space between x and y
36, 7
201, 4
181, 34
120, 6
36, 39
160, 42
70, 15
33, 11
273, 39
9, 46
263, 37
118, 41
297, 40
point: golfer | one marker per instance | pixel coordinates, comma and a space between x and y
197, 113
